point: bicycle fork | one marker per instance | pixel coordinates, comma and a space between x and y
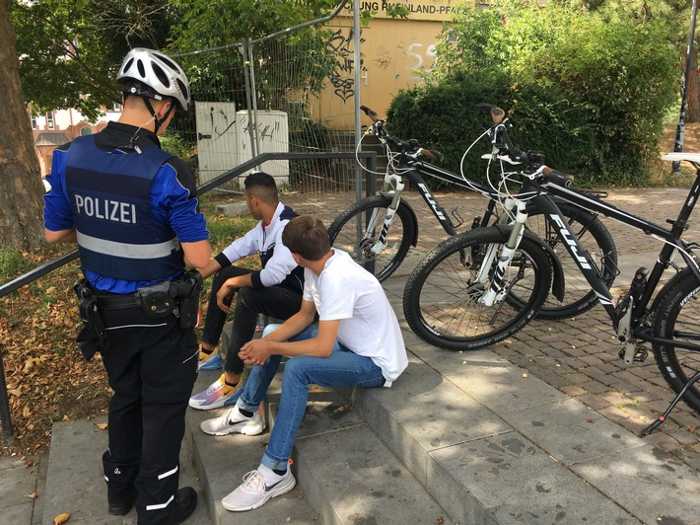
497, 289
397, 187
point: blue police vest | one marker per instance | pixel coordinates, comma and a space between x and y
118, 234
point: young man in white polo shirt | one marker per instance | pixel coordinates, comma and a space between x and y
357, 342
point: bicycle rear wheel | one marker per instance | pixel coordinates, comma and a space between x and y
441, 297
403, 231
596, 239
677, 317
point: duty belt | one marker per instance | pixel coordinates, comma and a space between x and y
149, 307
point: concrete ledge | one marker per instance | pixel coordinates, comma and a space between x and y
475, 464
351, 478
421, 413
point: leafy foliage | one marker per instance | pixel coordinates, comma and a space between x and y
72, 60
589, 89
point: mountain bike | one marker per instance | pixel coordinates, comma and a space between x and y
481, 286
391, 226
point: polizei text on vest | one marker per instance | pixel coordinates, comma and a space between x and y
106, 209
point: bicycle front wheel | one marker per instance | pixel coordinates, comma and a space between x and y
677, 317
441, 299
369, 214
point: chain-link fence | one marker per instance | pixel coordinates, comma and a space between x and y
265, 96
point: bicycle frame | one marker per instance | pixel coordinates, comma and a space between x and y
393, 183
670, 237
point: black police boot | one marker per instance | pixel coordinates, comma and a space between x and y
183, 506
121, 492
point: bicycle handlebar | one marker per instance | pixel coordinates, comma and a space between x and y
532, 159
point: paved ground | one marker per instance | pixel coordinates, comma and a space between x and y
577, 356
18, 492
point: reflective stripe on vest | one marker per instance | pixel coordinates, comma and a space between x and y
119, 234
129, 251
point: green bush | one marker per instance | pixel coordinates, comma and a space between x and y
589, 90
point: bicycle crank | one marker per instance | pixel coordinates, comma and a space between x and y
633, 352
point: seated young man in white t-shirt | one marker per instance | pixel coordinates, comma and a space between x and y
357, 342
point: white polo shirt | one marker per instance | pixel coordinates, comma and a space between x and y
347, 292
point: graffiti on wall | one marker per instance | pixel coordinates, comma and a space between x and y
423, 56
342, 78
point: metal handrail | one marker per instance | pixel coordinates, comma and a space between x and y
48, 267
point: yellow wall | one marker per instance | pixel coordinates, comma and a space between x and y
394, 51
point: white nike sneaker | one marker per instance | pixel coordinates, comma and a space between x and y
233, 422
254, 492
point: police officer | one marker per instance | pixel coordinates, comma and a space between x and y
132, 210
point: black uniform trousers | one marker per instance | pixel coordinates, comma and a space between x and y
279, 302
152, 371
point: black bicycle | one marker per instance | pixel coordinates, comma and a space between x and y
477, 288
389, 226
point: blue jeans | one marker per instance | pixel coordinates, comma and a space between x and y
343, 368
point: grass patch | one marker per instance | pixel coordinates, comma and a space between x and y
223, 230
12, 264
661, 175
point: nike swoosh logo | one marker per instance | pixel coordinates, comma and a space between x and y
270, 487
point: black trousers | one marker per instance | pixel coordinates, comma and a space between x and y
274, 301
152, 371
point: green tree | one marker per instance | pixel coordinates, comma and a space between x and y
589, 89
20, 186
675, 15
205, 24
72, 60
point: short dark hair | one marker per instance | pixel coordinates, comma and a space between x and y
307, 236
263, 186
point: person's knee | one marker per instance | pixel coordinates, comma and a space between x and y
270, 328
247, 297
295, 371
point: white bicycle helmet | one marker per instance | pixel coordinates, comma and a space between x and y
158, 74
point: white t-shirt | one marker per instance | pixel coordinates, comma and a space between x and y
347, 292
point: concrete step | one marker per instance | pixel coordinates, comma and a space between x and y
351, 478
221, 462
347, 473
75, 481
494, 445
344, 472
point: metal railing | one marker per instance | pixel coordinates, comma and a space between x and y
6, 428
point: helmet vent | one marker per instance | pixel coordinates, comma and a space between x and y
128, 65
183, 88
160, 74
142, 70
168, 62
